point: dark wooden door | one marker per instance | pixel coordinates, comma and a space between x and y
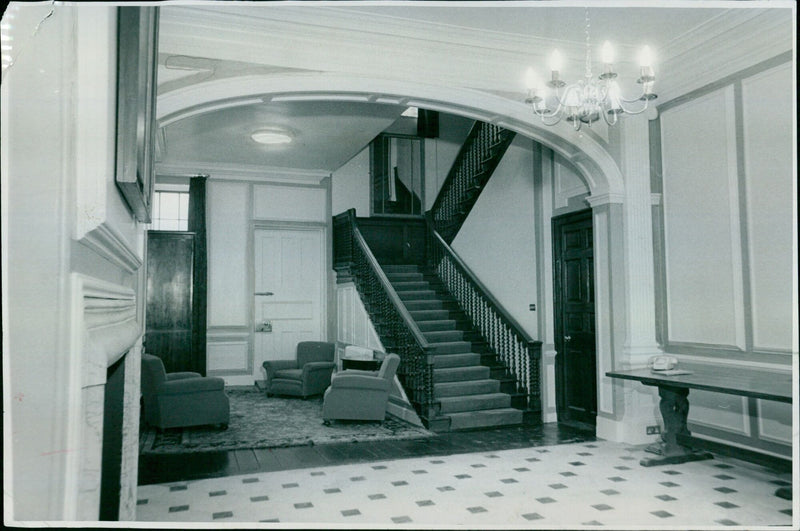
576, 363
169, 323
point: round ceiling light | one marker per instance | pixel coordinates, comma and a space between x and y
272, 136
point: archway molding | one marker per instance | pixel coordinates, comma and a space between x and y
595, 165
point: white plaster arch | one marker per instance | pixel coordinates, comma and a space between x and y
595, 164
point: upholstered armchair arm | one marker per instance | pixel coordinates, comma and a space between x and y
271, 367
191, 385
313, 366
359, 381
182, 375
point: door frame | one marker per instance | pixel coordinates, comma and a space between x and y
325, 252
558, 325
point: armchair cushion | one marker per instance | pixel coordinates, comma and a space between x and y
360, 395
308, 374
191, 385
181, 399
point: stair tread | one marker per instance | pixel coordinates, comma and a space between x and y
489, 412
461, 398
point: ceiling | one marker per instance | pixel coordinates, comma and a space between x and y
330, 133
326, 134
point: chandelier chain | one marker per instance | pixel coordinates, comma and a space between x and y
588, 45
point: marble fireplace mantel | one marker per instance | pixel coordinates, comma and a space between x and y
105, 331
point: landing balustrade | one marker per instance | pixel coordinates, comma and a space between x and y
516, 350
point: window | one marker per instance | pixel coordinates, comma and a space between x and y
397, 175
170, 210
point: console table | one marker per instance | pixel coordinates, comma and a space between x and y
674, 404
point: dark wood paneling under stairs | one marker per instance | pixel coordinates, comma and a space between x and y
471, 388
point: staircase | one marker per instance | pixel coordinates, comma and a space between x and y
469, 384
480, 154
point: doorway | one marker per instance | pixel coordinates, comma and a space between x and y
573, 293
289, 270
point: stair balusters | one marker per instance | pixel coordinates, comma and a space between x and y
520, 355
474, 164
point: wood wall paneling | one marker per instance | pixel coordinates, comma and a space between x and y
228, 259
774, 421
289, 203
703, 253
768, 168
229, 354
720, 411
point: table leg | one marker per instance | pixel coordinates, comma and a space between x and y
674, 407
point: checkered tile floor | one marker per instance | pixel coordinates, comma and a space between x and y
568, 485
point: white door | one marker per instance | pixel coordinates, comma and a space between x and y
289, 270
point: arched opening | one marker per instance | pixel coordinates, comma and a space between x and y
594, 165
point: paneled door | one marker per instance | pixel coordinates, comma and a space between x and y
169, 324
576, 364
289, 291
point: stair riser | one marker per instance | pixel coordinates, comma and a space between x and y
444, 390
447, 361
437, 326
398, 278
484, 419
456, 347
430, 315
475, 404
447, 335
460, 374
417, 295
401, 269
435, 304
409, 285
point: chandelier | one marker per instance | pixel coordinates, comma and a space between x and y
586, 100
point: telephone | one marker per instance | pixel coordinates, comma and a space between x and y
663, 363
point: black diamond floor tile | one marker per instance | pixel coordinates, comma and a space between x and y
726, 505
532, 516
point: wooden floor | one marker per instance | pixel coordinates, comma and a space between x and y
181, 467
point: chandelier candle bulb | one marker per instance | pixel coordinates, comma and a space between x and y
607, 53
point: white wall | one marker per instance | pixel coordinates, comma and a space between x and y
235, 204
441, 152
498, 242
350, 186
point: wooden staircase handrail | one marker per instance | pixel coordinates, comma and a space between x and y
465, 148
384, 280
473, 279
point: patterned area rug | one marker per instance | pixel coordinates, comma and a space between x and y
258, 421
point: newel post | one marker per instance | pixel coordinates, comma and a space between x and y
534, 376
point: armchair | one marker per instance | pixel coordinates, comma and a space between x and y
181, 399
360, 395
308, 374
